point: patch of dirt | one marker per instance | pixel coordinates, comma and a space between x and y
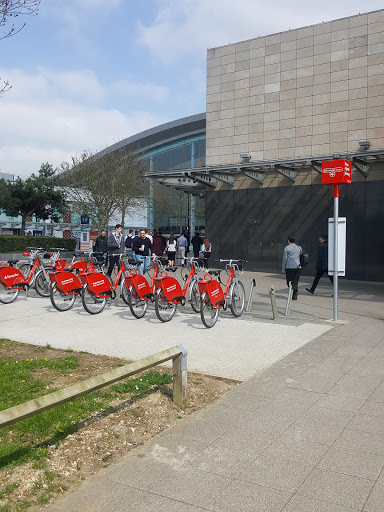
101, 439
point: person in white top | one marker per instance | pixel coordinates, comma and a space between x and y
206, 249
171, 249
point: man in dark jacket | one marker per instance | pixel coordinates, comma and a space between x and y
196, 244
100, 247
142, 247
321, 264
115, 248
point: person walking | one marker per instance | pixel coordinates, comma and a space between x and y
142, 247
115, 248
196, 244
291, 265
171, 249
101, 247
321, 264
181, 247
206, 249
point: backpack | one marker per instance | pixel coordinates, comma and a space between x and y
304, 258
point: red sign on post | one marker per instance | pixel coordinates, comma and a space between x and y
336, 171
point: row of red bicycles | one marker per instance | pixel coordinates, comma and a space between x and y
84, 277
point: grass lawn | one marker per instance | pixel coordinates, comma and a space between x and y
29, 439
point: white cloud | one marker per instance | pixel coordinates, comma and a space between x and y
182, 27
50, 116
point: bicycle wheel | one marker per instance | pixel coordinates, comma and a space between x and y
165, 310
208, 313
138, 307
237, 298
42, 286
92, 304
124, 292
60, 300
25, 269
8, 295
195, 297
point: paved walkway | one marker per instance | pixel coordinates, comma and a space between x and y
258, 339
305, 434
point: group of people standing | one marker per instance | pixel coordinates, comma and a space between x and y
140, 245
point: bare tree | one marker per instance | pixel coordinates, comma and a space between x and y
101, 186
12, 9
130, 185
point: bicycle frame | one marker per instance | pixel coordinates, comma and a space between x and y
100, 285
171, 287
219, 298
140, 283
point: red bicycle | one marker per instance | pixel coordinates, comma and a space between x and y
140, 292
12, 279
97, 288
213, 298
169, 294
66, 285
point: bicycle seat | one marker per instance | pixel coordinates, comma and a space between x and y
214, 272
12, 262
171, 269
131, 261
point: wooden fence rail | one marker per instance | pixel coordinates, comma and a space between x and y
177, 354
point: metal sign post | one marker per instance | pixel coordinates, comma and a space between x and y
336, 251
333, 173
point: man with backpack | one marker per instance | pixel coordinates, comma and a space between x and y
291, 266
321, 264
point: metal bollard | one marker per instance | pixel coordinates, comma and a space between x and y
272, 294
289, 300
250, 297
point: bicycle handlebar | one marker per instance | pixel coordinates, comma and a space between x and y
230, 261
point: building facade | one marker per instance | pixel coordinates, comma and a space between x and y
276, 107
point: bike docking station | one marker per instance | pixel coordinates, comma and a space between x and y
336, 172
272, 294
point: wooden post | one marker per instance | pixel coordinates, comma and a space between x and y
180, 378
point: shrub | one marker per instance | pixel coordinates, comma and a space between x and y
13, 243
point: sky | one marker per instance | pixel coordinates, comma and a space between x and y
86, 74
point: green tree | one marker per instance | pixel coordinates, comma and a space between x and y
37, 195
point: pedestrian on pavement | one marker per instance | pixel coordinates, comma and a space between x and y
171, 249
206, 249
321, 264
128, 243
196, 244
163, 242
142, 247
101, 247
157, 246
291, 265
181, 247
115, 248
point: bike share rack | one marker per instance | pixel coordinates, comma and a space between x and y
289, 300
272, 294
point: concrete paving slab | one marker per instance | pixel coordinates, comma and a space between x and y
337, 488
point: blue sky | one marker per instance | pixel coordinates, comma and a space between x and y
88, 73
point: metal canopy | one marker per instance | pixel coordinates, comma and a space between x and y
196, 180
